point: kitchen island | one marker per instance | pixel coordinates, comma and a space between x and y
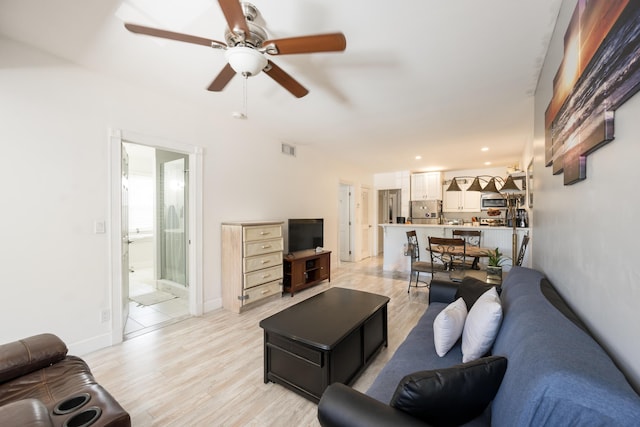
395, 240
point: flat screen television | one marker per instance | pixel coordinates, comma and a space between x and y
305, 234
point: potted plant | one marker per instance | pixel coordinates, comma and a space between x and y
494, 268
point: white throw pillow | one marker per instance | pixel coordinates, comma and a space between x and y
482, 326
448, 325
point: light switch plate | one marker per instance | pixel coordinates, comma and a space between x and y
98, 227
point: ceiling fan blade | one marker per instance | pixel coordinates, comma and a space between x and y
332, 42
234, 16
285, 80
222, 79
140, 29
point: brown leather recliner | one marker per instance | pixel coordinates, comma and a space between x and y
41, 386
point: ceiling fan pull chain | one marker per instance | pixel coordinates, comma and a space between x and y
244, 96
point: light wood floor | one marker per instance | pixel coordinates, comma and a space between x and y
208, 371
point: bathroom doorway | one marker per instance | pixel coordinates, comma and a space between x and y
158, 228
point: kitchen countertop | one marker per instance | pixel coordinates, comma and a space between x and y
471, 227
395, 240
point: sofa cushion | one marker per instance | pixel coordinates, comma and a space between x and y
482, 326
61, 381
448, 325
556, 370
25, 412
30, 354
416, 353
50, 384
450, 396
470, 289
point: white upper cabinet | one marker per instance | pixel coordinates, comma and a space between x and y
426, 186
461, 201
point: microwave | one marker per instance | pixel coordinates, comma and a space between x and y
493, 201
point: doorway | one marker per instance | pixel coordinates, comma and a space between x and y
120, 241
345, 222
365, 224
389, 203
156, 221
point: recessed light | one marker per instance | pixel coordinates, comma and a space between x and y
484, 149
418, 157
487, 163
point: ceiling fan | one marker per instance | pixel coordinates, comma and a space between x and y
246, 46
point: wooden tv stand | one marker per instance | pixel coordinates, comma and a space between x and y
304, 269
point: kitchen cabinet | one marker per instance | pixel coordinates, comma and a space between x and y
461, 201
426, 186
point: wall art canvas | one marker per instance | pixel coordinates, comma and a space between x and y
600, 70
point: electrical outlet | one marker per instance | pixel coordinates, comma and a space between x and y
105, 315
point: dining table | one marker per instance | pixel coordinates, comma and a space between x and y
476, 252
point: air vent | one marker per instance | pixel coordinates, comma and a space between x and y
289, 150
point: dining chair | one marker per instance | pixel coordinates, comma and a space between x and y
523, 249
472, 238
448, 255
417, 266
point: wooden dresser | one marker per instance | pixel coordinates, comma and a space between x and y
251, 263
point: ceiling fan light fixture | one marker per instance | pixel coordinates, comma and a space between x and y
245, 60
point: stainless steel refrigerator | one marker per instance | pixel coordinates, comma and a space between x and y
426, 211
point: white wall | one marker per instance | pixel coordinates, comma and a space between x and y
54, 128
585, 239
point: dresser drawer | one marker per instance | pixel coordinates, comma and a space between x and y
263, 232
263, 247
262, 276
263, 291
262, 261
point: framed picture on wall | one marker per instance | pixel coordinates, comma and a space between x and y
530, 184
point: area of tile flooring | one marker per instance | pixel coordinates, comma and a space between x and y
146, 318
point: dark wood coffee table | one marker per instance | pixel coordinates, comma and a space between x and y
330, 337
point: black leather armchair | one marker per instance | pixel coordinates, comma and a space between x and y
40, 385
342, 406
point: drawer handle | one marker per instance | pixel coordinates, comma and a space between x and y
265, 292
266, 261
264, 276
266, 246
264, 233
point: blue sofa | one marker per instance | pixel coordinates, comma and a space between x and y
557, 374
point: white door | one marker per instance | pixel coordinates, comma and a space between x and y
173, 216
345, 223
125, 237
365, 224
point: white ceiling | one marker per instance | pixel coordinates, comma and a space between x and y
440, 79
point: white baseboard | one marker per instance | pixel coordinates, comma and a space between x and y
90, 345
213, 304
